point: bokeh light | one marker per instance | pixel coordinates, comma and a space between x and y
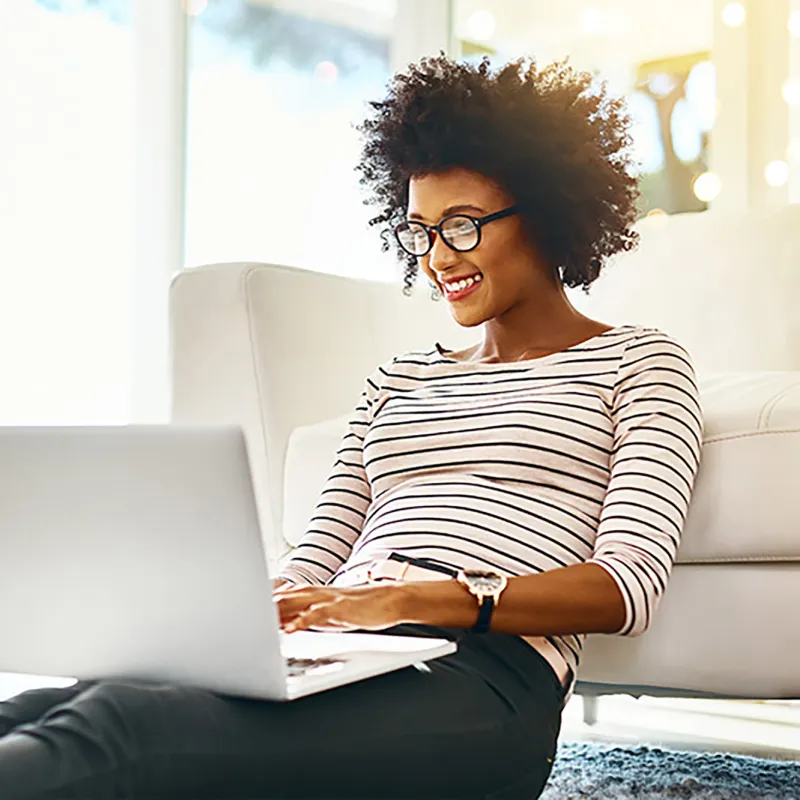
776, 173
791, 92
326, 71
481, 25
734, 14
592, 21
657, 218
701, 94
647, 148
687, 138
707, 186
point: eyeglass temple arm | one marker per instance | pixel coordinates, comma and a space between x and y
498, 215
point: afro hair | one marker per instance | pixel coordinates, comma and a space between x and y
551, 137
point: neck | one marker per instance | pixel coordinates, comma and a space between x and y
542, 322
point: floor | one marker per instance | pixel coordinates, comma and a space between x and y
761, 729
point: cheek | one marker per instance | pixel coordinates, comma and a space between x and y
486, 259
497, 255
425, 267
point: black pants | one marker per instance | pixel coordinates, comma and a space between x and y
482, 723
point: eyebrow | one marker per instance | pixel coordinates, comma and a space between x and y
452, 210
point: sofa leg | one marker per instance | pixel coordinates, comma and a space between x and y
589, 709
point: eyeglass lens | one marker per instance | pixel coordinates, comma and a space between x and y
461, 233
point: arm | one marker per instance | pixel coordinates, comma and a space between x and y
342, 507
655, 456
654, 460
578, 599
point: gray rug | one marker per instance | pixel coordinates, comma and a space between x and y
584, 770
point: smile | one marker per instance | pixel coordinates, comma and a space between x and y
459, 289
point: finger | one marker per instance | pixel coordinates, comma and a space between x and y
318, 616
288, 612
290, 605
296, 618
328, 615
293, 602
294, 591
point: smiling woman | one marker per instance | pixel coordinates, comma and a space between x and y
513, 499
532, 189
554, 142
554, 460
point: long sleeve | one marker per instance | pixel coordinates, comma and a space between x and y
340, 512
658, 430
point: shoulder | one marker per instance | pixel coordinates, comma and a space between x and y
647, 348
655, 368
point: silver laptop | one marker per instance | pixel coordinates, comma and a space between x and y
135, 553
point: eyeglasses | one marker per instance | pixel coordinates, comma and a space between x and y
460, 232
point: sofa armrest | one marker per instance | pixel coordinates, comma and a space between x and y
274, 348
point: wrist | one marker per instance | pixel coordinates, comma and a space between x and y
445, 604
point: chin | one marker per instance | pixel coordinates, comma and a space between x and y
466, 320
470, 317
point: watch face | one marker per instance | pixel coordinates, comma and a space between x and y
484, 582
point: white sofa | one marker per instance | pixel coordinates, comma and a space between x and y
283, 352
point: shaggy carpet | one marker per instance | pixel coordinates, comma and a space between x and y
585, 770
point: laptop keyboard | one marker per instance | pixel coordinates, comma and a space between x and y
297, 667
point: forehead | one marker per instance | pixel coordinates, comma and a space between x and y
430, 195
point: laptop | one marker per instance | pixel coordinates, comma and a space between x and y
135, 553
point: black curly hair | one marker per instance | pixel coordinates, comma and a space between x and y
550, 137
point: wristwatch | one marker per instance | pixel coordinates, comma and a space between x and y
485, 585
487, 588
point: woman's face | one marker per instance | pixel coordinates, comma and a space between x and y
504, 257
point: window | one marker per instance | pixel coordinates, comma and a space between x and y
658, 54
66, 208
275, 89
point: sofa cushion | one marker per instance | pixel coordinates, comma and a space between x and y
743, 508
724, 284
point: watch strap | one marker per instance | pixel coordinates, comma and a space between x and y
484, 615
487, 605
424, 563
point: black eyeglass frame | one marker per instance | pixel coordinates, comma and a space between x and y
478, 222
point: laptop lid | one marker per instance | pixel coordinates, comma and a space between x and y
120, 544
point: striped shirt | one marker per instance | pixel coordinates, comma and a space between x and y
585, 455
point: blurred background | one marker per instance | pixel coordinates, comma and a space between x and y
141, 136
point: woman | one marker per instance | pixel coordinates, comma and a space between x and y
548, 467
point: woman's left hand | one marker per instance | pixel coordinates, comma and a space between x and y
340, 609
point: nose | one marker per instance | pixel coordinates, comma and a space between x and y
441, 256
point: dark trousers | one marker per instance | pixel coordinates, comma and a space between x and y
483, 722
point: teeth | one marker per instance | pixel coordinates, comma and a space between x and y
459, 286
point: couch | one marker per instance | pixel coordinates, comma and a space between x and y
283, 352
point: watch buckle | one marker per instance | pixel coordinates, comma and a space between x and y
387, 570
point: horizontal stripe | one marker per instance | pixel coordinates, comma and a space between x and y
588, 455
